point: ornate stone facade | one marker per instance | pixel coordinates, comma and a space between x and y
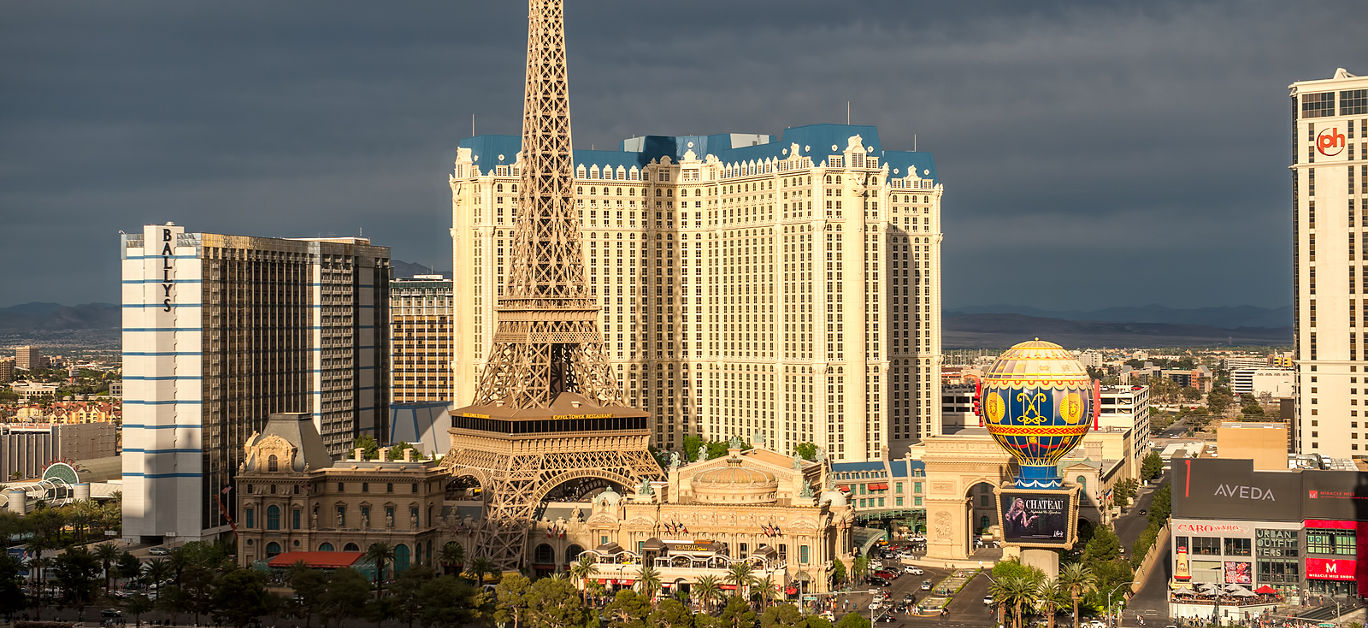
293, 497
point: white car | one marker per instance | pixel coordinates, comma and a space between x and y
876, 564
1096, 624
874, 606
987, 600
914, 570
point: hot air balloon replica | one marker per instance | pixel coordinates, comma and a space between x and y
1038, 403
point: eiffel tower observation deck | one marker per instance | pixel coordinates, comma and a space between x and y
548, 413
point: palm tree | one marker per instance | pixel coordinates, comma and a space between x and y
107, 554
1023, 596
705, 591
155, 572
1078, 580
480, 567
1051, 599
768, 592
595, 591
581, 570
379, 553
741, 574
452, 557
649, 579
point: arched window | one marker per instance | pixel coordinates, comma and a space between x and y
572, 553
273, 517
1082, 481
325, 547
272, 549
401, 558
544, 555
272, 463
350, 547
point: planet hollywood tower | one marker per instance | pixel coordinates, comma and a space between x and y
1330, 263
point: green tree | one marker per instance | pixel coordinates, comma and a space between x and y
12, 598
853, 620
449, 602
1078, 580
310, 591
555, 602
628, 609
1103, 546
707, 590
691, 444
737, 613
128, 567
396, 452
1143, 543
783, 616
345, 596
1120, 499
406, 593
452, 557
240, 596
670, 613
1219, 400
77, 570
380, 554
1152, 467
649, 581
806, 451
510, 599
859, 567
1251, 408
838, 572
155, 573
137, 605
370, 450
1050, 599
1161, 506
479, 567
107, 554
1191, 394
740, 574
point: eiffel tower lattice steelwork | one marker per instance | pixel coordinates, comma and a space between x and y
548, 409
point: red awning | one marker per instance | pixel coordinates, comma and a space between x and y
1265, 590
727, 587
880, 486
320, 560
844, 488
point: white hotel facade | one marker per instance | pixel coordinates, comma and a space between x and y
785, 288
1330, 255
219, 332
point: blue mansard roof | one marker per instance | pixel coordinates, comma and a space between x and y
815, 140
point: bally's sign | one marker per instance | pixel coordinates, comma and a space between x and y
167, 255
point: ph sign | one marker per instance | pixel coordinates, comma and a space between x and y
1330, 141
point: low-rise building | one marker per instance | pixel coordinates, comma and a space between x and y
1275, 382
28, 448
29, 391
1263, 442
293, 497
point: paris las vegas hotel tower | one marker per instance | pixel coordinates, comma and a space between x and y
750, 285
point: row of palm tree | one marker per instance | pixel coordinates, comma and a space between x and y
706, 591
1031, 593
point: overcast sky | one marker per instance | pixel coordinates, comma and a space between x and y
1093, 154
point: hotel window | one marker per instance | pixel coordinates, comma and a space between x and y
1338, 542
1237, 547
295, 517
803, 554
341, 516
251, 518
1206, 546
1318, 105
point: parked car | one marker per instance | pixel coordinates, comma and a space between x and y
159, 551
111, 613
885, 574
987, 600
926, 585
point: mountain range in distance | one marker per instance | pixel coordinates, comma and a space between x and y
976, 327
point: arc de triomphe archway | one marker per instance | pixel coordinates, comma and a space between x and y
954, 464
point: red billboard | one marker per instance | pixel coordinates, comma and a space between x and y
1330, 568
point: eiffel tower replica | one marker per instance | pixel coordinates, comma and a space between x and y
548, 410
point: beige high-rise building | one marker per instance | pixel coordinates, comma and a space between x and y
1330, 257
420, 339
785, 289
29, 357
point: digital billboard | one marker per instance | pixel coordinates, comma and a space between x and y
1037, 518
1239, 572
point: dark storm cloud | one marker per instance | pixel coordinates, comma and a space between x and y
1118, 153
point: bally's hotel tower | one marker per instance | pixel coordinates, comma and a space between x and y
220, 331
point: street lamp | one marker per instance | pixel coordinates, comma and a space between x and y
1109, 601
